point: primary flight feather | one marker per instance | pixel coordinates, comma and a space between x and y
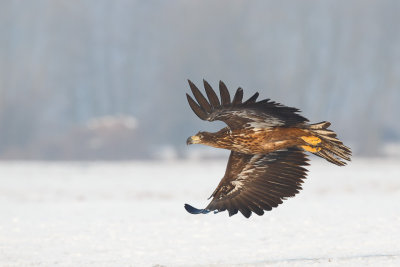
267, 142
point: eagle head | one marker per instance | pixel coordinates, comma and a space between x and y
199, 138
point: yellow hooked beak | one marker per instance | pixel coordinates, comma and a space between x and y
193, 140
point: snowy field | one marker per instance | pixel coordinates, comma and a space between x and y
131, 214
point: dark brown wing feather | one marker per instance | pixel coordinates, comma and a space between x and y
238, 114
200, 98
196, 108
212, 96
237, 99
254, 183
224, 93
252, 99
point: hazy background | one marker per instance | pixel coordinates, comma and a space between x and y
100, 79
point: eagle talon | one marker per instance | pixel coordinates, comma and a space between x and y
312, 140
311, 149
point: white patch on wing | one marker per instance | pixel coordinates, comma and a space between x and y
256, 117
254, 163
237, 184
263, 122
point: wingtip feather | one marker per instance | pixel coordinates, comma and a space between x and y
193, 210
212, 96
224, 93
252, 99
237, 99
200, 97
196, 108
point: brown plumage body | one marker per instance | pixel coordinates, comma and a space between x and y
258, 141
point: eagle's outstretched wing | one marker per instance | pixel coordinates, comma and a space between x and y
237, 114
254, 183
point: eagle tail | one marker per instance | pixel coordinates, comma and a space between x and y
325, 144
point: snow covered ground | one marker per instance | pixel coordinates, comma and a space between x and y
131, 214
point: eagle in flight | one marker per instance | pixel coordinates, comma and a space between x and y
267, 141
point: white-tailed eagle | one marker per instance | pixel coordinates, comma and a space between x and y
267, 141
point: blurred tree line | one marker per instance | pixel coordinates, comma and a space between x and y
65, 64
